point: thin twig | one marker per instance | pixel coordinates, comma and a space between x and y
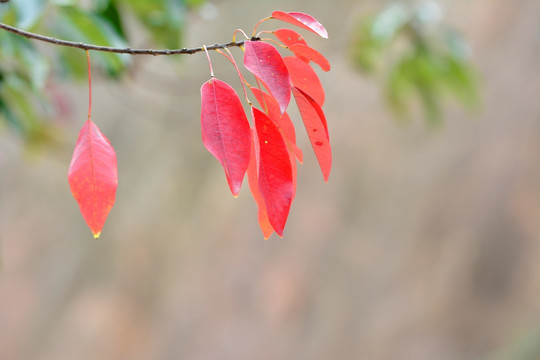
130, 51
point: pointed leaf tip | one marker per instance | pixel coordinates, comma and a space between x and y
96, 235
302, 20
93, 176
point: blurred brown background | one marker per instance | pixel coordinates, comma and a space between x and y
425, 243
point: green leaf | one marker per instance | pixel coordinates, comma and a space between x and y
28, 12
20, 112
34, 65
388, 23
78, 25
164, 19
461, 80
108, 10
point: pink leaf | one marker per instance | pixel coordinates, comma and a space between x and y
305, 78
225, 130
265, 62
276, 182
93, 176
302, 20
317, 129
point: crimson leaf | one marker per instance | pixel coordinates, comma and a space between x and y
275, 174
225, 130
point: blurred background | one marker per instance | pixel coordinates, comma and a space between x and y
424, 244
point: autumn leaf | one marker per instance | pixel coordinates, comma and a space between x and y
308, 54
266, 63
317, 129
289, 37
93, 176
225, 130
253, 180
302, 20
304, 77
275, 174
283, 121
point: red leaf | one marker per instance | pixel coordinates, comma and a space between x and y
253, 180
305, 78
283, 121
317, 129
275, 174
225, 130
302, 20
265, 62
308, 54
289, 37
93, 176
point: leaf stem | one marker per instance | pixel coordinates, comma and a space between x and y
257, 24
242, 79
128, 50
89, 85
274, 41
239, 31
209, 61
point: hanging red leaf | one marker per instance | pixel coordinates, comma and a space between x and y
262, 215
302, 20
308, 54
93, 176
283, 121
265, 62
317, 129
304, 77
289, 37
225, 130
275, 174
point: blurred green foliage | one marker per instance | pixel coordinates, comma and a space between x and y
26, 99
524, 346
420, 59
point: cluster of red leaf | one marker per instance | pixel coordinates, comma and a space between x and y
267, 150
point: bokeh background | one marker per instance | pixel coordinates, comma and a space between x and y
424, 244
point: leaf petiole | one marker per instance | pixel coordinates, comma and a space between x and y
239, 31
243, 81
260, 21
209, 61
89, 85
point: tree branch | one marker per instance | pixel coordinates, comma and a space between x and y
130, 51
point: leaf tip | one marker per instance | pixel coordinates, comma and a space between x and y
96, 235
